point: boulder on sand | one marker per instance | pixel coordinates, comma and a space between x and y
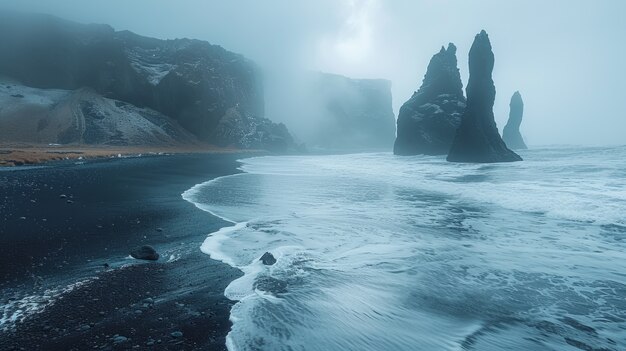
145, 252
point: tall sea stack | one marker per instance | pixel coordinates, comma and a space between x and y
428, 121
511, 134
477, 139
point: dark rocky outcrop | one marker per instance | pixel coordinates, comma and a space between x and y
511, 134
242, 130
145, 252
428, 121
191, 81
477, 138
268, 259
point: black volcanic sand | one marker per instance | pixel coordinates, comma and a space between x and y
67, 223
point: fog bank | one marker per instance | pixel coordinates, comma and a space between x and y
562, 55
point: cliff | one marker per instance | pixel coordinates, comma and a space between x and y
360, 113
428, 121
477, 138
190, 81
511, 134
330, 112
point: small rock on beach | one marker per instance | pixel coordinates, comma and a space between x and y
145, 252
268, 259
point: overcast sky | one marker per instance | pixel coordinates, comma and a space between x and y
566, 57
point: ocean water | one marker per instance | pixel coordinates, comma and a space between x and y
379, 252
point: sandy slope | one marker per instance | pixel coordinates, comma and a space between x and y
81, 116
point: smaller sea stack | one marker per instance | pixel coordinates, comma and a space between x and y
511, 134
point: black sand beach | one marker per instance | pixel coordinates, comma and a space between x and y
68, 223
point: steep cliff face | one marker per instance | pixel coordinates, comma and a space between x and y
477, 138
191, 81
511, 134
194, 82
329, 112
428, 121
359, 113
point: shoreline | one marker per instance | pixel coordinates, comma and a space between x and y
175, 303
12, 155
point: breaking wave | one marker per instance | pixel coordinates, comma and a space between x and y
378, 252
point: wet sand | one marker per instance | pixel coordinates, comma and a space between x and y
66, 223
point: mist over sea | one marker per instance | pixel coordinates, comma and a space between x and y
379, 252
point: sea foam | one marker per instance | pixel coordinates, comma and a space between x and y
382, 252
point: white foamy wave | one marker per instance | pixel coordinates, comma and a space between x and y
382, 252
213, 243
535, 185
17, 310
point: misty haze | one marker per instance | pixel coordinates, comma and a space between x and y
312, 175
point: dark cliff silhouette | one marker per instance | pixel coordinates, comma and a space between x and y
477, 138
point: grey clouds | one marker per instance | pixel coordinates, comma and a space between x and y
564, 56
